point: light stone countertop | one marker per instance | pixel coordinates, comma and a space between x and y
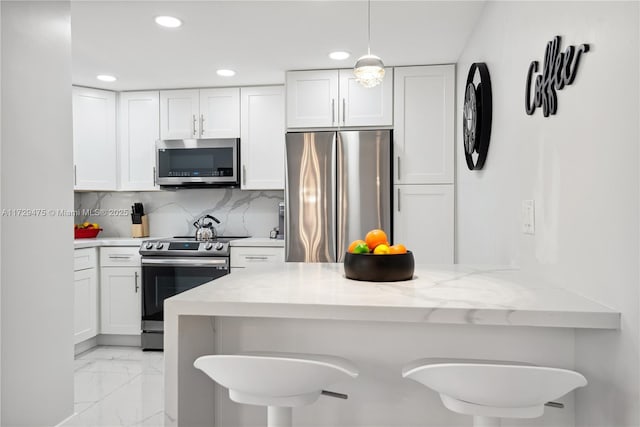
455, 294
109, 241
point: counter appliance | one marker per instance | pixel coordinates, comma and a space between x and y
338, 187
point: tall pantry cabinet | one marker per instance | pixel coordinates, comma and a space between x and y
424, 106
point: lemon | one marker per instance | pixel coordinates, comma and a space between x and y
95, 225
381, 249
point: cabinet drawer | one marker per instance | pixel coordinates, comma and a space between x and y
248, 256
119, 256
84, 259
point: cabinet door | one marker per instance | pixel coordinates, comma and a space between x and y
219, 113
120, 302
361, 106
85, 305
423, 221
312, 98
139, 131
424, 128
94, 139
179, 112
262, 137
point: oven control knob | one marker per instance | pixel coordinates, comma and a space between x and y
159, 245
219, 246
149, 245
208, 246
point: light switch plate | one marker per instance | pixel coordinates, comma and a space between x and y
528, 217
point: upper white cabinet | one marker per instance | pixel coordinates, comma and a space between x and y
220, 113
200, 113
94, 139
179, 113
262, 135
333, 98
139, 128
424, 124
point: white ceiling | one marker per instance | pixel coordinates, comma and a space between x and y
258, 39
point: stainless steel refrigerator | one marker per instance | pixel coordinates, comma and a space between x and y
338, 187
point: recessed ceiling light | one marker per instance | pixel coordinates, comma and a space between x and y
226, 73
339, 55
168, 21
106, 78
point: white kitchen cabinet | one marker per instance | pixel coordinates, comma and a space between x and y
361, 106
249, 256
120, 291
139, 129
85, 290
424, 124
333, 98
200, 113
220, 113
94, 139
262, 136
424, 221
179, 114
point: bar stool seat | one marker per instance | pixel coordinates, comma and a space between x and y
279, 381
490, 390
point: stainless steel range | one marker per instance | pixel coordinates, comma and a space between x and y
172, 266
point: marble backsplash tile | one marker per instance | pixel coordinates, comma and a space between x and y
172, 213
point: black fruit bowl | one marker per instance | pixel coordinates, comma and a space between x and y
379, 268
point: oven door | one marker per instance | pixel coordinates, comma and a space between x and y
163, 278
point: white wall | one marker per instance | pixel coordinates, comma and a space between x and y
37, 258
172, 213
581, 168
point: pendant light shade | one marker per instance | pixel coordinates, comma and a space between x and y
369, 69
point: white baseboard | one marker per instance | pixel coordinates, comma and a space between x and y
114, 340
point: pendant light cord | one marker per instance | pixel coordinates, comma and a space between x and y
368, 27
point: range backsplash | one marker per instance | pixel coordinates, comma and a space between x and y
172, 213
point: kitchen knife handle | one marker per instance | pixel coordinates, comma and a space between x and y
194, 126
201, 124
135, 279
333, 111
344, 113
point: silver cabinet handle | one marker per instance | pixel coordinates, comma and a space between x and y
398, 168
75, 175
344, 111
398, 200
194, 126
120, 256
201, 124
135, 278
244, 175
154, 176
261, 258
333, 111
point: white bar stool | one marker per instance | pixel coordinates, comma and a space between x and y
490, 390
279, 381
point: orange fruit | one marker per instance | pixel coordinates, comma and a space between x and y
381, 249
398, 249
375, 238
355, 243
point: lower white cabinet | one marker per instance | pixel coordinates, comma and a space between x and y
424, 221
85, 291
120, 291
248, 256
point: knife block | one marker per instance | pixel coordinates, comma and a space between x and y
140, 230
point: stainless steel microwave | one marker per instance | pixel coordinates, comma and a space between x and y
198, 162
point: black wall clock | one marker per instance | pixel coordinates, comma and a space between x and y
476, 116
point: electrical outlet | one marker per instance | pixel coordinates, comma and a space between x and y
528, 217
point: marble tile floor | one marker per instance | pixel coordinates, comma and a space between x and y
118, 386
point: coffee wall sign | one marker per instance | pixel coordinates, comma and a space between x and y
559, 70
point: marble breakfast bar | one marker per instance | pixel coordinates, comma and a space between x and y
445, 311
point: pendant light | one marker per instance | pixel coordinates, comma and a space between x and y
369, 69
